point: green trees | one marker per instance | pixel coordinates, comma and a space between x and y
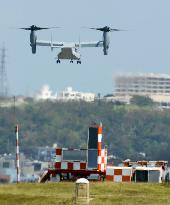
127, 131
142, 100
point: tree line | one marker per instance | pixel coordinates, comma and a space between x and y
129, 131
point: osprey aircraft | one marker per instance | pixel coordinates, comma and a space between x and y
69, 50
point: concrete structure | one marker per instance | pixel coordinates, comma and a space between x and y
29, 170
155, 86
140, 171
7, 169
70, 95
149, 174
82, 191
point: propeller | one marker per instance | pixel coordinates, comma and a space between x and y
106, 29
36, 28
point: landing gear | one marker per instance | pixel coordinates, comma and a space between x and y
79, 62
58, 61
71, 61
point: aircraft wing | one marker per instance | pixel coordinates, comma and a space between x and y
69, 44
50, 43
90, 44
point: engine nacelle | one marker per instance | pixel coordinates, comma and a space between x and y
106, 42
105, 51
33, 48
33, 39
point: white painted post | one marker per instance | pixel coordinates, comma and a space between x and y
17, 154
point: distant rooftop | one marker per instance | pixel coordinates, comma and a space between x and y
153, 75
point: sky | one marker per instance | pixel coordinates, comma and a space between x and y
143, 47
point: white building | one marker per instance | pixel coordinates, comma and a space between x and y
67, 94
155, 86
70, 95
45, 93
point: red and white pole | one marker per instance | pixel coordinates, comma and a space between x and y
99, 147
17, 154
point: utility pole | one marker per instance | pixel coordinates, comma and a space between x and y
3, 74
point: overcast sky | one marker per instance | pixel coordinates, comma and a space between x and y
144, 47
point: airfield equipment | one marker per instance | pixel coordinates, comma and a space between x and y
91, 163
69, 50
71, 164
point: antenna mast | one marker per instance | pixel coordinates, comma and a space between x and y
3, 75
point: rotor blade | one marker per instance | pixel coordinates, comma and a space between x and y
107, 29
114, 29
96, 28
25, 28
36, 28
92, 28
40, 28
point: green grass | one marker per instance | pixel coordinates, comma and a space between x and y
100, 193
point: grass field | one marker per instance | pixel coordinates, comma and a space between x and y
100, 193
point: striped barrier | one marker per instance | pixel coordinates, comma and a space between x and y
102, 153
65, 165
79, 165
118, 174
102, 160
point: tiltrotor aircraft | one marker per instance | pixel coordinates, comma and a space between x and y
69, 50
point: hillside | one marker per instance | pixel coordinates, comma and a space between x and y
128, 130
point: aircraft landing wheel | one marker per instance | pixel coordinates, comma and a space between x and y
71, 61
58, 61
78, 62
